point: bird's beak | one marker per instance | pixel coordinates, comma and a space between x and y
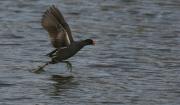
94, 42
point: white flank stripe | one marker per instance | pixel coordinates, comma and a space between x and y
67, 37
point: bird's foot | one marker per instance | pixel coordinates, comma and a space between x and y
38, 70
69, 66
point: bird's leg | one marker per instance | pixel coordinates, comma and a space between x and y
68, 65
40, 68
51, 53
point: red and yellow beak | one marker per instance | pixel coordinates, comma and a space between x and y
94, 42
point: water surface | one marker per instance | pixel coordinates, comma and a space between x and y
136, 59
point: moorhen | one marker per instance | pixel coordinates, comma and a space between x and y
61, 38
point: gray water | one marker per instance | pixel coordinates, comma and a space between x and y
136, 60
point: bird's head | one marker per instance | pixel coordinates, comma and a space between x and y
89, 42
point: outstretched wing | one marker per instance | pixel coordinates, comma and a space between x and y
58, 29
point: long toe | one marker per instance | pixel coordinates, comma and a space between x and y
69, 66
38, 70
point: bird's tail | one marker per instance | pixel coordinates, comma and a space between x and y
51, 53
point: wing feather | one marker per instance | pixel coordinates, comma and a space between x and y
54, 23
61, 20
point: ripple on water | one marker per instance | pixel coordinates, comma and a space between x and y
136, 59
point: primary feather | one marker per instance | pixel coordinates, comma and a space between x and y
58, 29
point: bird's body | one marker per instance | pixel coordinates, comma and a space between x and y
61, 38
61, 54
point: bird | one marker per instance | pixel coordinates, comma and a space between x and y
61, 38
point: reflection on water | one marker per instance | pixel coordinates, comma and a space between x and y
63, 83
136, 59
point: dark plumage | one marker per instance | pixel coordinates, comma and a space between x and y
61, 38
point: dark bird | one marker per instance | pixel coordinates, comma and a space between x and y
61, 38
